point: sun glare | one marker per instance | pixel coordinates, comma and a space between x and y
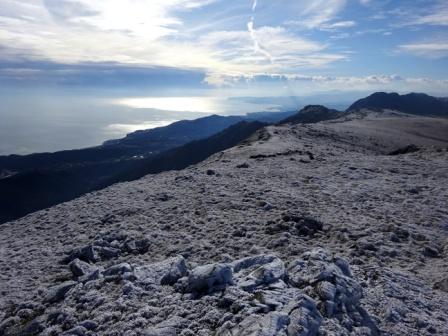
181, 104
121, 129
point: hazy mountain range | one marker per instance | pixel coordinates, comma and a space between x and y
32, 182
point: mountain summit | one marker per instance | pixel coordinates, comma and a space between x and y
412, 103
312, 114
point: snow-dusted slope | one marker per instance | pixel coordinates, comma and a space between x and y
337, 235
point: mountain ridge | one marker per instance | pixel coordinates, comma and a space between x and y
312, 114
412, 103
28, 183
301, 227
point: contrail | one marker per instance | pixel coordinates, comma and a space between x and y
254, 5
250, 27
257, 47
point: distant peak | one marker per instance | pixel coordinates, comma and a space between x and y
411, 103
313, 108
312, 114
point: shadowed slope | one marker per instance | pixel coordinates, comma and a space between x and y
37, 189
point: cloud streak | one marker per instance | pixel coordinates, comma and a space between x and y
429, 49
318, 13
435, 13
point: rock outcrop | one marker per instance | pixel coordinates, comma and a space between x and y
257, 295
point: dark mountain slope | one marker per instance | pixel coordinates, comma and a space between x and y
137, 143
145, 142
412, 103
269, 117
312, 114
191, 153
37, 189
179, 132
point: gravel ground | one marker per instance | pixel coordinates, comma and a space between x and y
300, 230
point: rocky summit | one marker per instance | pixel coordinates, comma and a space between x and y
333, 228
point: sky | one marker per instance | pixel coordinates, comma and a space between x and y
201, 53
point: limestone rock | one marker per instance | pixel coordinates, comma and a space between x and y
209, 278
57, 293
166, 272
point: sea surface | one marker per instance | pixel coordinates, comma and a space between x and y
36, 122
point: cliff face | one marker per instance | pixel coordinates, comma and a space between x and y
299, 228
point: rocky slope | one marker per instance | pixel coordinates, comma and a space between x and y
36, 189
299, 230
412, 103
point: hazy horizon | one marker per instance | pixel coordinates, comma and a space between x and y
40, 123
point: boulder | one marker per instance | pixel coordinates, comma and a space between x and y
249, 262
329, 281
136, 246
209, 278
442, 285
305, 318
58, 293
86, 253
80, 268
89, 324
431, 252
107, 253
34, 327
166, 272
326, 290
271, 324
118, 269
169, 327
264, 275
76, 331
108, 246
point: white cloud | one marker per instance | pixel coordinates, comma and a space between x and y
439, 18
305, 84
149, 33
435, 14
338, 25
429, 49
319, 12
346, 35
287, 54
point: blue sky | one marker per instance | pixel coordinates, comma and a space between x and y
224, 48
